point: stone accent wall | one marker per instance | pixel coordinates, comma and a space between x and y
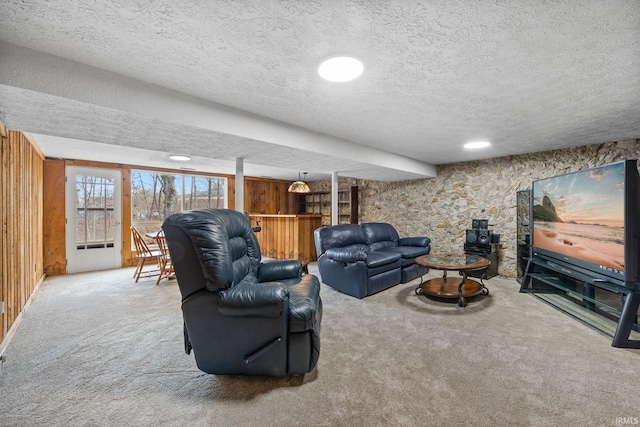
443, 207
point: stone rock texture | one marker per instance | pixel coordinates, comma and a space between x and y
443, 207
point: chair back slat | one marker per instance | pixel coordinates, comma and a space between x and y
144, 255
141, 246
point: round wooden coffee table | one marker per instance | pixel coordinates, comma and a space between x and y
445, 287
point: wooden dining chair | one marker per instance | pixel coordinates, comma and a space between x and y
164, 261
144, 255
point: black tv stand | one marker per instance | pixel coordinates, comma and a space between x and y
547, 275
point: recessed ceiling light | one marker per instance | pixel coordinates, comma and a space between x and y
477, 144
179, 158
340, 69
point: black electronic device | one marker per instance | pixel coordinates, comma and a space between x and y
479, 240
480, 224
589, 219
480, 249
484, 237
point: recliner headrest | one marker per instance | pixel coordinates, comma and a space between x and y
223, 242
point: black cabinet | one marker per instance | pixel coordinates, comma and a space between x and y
491, 255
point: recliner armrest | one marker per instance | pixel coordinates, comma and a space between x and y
254, 299
414, 241
304, 303
348, 254
272, 271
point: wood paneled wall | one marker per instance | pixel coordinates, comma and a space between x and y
55, 257
21, 219
261, 196
288, 236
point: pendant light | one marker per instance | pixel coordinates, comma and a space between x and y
299, 186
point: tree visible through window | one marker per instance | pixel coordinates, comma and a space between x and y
156, 195
94, 212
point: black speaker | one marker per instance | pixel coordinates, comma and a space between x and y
484, 237
472, 236
495, 238
481, 224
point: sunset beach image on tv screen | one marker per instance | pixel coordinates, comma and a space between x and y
581, 215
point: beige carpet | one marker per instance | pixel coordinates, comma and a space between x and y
98, 349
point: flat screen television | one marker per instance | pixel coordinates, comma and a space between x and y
590, 219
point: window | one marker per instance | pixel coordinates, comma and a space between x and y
156, 195
94, 212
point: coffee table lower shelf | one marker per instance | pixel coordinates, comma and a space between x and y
447, 287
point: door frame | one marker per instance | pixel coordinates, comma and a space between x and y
98, 258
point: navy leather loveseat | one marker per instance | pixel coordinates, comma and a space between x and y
362, 259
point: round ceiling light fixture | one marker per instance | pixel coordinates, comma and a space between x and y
341, 69
179, 158
476, 144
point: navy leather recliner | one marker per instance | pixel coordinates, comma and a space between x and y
241, 316
360, 260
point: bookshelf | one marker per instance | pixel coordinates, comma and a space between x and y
319, 203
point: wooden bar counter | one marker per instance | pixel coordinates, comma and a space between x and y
287, 236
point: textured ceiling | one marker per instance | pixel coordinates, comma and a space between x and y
527, 76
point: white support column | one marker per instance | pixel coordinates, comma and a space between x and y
334, 198
240, 185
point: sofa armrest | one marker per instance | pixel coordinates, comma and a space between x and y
414, 241
273, 271
348, 253
265, 299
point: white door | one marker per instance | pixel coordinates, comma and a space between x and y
94, 219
